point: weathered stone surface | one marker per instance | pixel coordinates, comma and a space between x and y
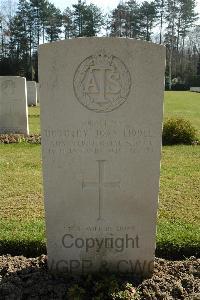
101, 109
13, 105
32, 93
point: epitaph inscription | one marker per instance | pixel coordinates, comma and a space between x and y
102, 82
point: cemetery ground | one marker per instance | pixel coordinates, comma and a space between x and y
22, 228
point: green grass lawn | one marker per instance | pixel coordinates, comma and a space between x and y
33, 116
21, 193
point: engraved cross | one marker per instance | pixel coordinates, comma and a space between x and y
100, 185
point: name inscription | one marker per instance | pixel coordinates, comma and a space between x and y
98, 137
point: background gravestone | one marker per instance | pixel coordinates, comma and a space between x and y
13, 105
32, 93
101, 119
38, 92
195, 89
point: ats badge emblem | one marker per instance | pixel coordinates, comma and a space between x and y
102, 82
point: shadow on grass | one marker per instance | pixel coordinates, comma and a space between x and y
176, 252
34, 116
36, 248
25, 248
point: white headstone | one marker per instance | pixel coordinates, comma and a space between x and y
101, 110
13, 105
32, 93
195, 89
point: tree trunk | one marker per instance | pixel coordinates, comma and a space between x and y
43, 33
178, 34
161, 21
170, 67
171, 47
38, 28
147, 37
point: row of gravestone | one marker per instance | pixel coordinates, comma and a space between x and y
16, 94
